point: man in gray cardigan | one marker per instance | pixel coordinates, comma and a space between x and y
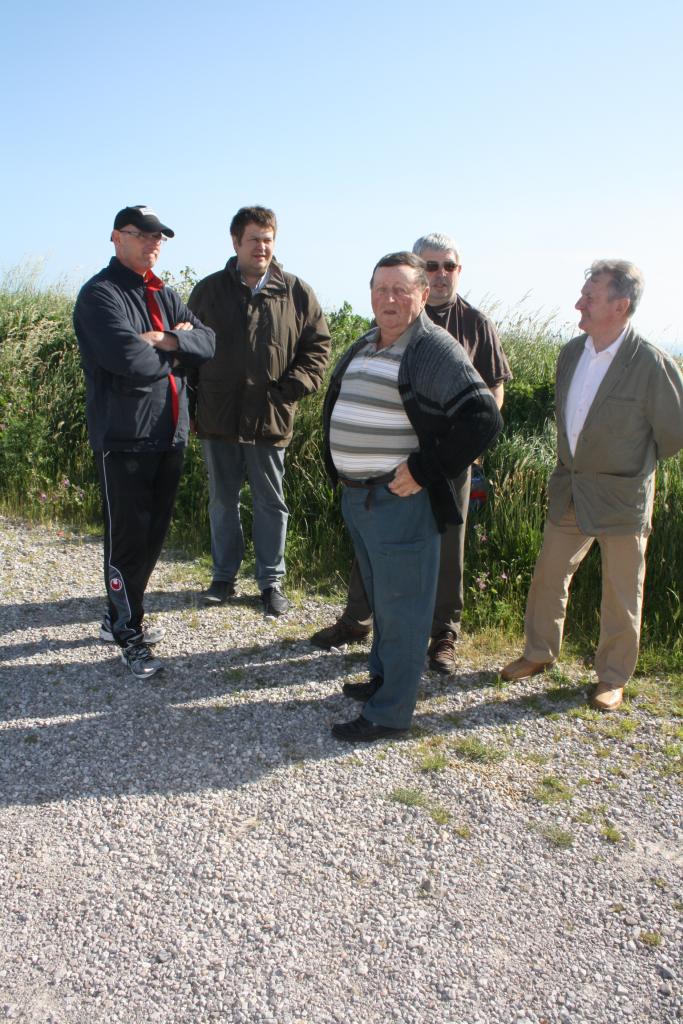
619, 409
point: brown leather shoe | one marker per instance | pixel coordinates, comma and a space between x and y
607, 697
442, 654
522, 668
339, 633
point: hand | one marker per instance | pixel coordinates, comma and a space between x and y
184, 325
161, 339
193, 426
403, 484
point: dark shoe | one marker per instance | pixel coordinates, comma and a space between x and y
140, 660
442, 654
274, 602
218, 592
362, 691
361, 730
339, 633
150, 634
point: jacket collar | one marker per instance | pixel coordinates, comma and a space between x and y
617, 369
125, 274
275, 284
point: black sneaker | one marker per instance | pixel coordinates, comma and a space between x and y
150, 634
140, 660
218, 592
361, 730
362, 691
274, 602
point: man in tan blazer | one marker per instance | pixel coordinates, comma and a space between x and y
619, 409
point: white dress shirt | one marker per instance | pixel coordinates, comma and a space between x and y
588, 376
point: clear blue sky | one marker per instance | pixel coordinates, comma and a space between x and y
540, 135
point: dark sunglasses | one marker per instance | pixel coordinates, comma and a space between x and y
432, 266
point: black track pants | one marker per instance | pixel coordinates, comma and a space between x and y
138, 494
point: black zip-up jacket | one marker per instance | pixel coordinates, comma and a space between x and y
449, 406
128, 401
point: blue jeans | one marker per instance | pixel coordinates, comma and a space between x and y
397, 546
229, 464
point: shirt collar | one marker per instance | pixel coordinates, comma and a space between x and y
610, 351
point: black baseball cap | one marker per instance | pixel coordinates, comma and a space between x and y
142, 217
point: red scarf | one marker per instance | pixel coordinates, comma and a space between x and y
155, 284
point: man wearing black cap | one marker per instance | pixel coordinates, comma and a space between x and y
137, 339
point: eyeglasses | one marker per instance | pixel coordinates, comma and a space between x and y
431, 266
155, 236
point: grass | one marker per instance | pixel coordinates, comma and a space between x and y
652, 939
470, 748
434, 761
416, 798
610, 833
557, 837
552, 790
409, 797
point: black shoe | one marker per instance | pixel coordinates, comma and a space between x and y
274, 602
140, 660
361, 730
339, 633
362, 691
442, 654
150, 634
218, 592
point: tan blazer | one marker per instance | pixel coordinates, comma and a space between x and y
636, 419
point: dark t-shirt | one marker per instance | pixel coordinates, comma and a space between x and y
477, 335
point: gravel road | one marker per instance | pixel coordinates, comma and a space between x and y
198, 847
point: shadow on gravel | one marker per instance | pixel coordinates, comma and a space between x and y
509, 710
34, 615
136, 737
88, 729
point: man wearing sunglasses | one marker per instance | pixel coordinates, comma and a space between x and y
137, 339
478, 336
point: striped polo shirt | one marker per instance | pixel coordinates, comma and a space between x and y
370, 434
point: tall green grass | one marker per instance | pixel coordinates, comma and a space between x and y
47, 472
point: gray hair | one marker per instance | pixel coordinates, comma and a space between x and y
442, 243
627, 281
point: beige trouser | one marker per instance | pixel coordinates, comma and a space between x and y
623, 573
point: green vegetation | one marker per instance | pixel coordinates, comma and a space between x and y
472, 749
552, 790
557, 837
610, 833
653, 939
47, 472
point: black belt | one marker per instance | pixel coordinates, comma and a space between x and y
373, 481
368, 485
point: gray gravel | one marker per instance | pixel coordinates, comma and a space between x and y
199, 848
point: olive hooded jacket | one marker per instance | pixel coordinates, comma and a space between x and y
272, 349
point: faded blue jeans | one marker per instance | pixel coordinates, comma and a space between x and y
228, 465
397, 546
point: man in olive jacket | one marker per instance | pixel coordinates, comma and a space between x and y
272, 348
619, 409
